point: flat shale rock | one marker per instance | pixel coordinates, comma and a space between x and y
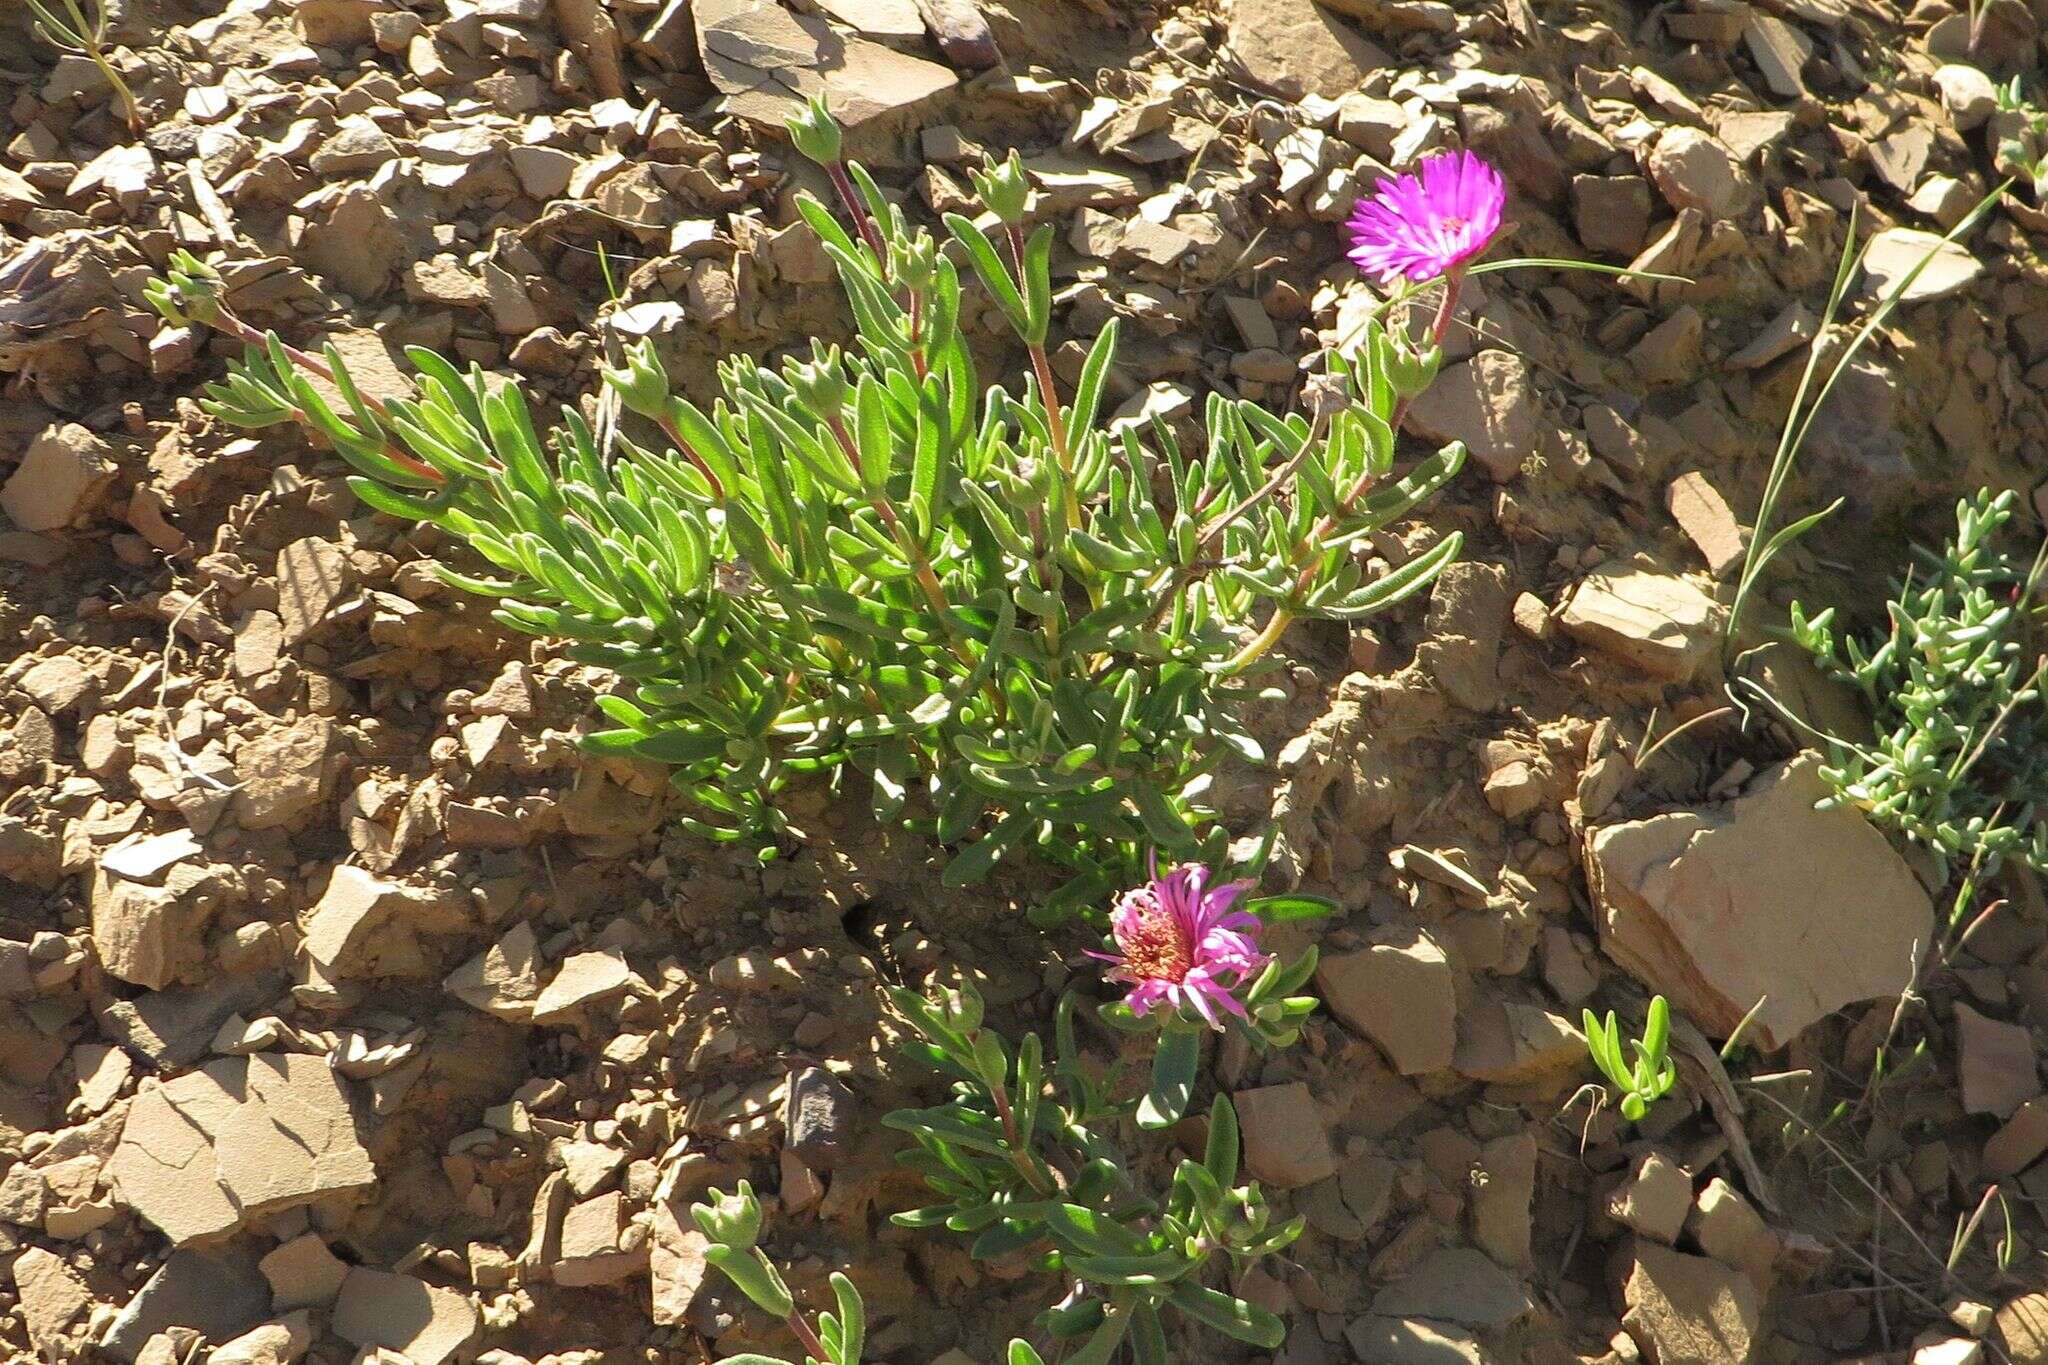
365, 925
501, 980
429, 1325
1285, 1143
303, 1273
767, 62
1688, 1310
1693, 171
676, 1264
1297, 47
1414, 1341
1659, 623
51, 1295
2023, 1326
1457, 1285
1763, 897
236, 1139
1996, 1062
1894, 253
219, 1295
1401, 994
1486, 403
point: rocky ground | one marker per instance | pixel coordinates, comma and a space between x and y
346, 1011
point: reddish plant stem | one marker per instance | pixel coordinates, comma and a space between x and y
674, 433
1041, 365
805, 1335
1019, 1158
917, 334
226, 323
843, 183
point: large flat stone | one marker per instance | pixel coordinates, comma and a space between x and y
1297, 47
239, 1138
1763, 898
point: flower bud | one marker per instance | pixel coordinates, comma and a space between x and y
734, 1219
1003, 187
914, 260
962, 1009
641, 383
815, 132
820, 382
188, 293
1409, 370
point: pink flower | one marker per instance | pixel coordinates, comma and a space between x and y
1179, 943
1428, 224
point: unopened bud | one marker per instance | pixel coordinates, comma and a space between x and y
189, 291
641, 383
820, 382
1409, 370
734, 1219
815, 132
914, 260
1003, 188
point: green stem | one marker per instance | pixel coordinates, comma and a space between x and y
1304, 550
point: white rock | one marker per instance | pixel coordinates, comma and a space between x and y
1893, 255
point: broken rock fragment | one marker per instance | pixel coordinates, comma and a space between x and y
1659, 623
427, 1324
216, 1293
1765, 898
1703, 514
1400, 994
51, 1295
150, 931
1654, 1198
1693, 171
501, 980
1298, 47
60, 477
1894, 254
1996, 1062
303, 1273
1459, 1285
1688, 1310
1285, 1143
283, 773
236, 1139
1485, 402
365, 925
768, 62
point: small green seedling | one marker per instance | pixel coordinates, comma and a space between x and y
1653, 1074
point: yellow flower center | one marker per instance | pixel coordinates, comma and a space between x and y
1155, 948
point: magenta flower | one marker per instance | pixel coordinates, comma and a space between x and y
1426, 225
1179, 943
